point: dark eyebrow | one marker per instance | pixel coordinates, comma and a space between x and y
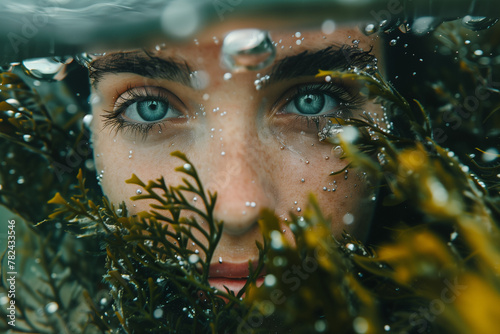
141, 63
307, 63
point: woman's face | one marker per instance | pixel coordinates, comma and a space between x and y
255, 143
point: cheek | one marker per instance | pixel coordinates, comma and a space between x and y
345, 199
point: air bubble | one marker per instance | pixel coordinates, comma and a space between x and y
193, 258
51, 307
270, 280
87, 120
490, 154
393, 42
158, 313
180, 19
27, 138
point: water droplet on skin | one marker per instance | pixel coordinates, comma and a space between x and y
393, 42
9, 113
199, 79
187, 167
325, 188
302, 180
328, 27
138, 191
348, 218
227, 76
206, 97
248, 49
298, 42
253, 204
299, 209
220, 259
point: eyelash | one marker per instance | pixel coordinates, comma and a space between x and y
348, 102
114, 118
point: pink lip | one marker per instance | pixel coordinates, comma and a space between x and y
231, 275
231, 270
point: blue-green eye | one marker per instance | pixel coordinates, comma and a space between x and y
146, 105
148, 110
311, 102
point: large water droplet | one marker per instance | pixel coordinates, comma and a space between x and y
477, 23
48, 69
248, 49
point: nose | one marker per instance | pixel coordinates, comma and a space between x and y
240, 175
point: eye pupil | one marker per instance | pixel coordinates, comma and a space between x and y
152, 110
310, 104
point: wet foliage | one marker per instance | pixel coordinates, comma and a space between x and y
432, 263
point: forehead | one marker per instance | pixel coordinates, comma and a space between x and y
204, 48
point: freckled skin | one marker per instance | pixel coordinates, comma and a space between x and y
254, 168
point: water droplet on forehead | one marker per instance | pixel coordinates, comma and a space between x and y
48, 69
328, 27
199, 79
248, 49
